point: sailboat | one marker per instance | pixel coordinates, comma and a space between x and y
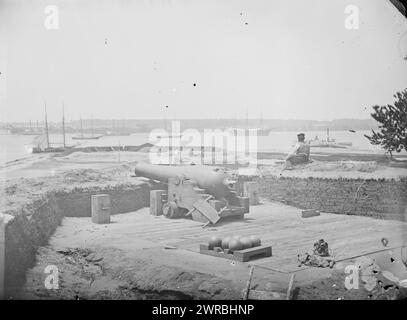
83, 137
41, 142
260, 131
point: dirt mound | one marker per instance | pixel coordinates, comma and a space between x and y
333, 170
108, 273
343, 166
86, 175
18, 192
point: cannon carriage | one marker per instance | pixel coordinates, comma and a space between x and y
207, 194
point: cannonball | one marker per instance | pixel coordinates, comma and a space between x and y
246, 242
214, 242
255, 241
225, 242
235, 245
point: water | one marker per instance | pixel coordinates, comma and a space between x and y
18, 146
13, 147
282, 141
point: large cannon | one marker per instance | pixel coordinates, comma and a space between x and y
192, 187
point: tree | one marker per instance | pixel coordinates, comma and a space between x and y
393, 125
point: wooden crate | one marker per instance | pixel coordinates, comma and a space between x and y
239, 255
100, 208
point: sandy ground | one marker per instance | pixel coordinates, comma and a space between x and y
41, 165
333, 169
51, 164
15, 193
139, 256
113, 262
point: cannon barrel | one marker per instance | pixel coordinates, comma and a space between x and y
215, 180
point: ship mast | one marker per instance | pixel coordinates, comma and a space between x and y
63, 124
91, 125
46, 125
81, 127
247, 118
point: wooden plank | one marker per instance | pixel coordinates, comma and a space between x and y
204, 249
247, 288
198, 216
284, 227
310, 213
290, 287
263, 295
233, 211
207, 210
240, 255
248, 254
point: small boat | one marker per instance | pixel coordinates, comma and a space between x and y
328, 143
325, 144
346, 144
5, 131
262, 131
86, 137
117, 133
245, 130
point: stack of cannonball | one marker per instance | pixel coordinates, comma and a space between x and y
234, 243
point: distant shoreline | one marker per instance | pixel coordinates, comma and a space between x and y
138, 126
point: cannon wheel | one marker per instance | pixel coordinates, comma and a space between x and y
171, 210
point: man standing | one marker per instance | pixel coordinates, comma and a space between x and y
300, 153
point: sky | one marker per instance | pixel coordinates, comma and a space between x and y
140, 59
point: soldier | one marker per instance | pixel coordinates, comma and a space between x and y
300, 153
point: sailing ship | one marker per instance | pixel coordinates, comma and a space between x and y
261, 130
41, 142
328, 143
4, 131
83, 137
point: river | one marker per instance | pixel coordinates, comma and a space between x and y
15, 147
